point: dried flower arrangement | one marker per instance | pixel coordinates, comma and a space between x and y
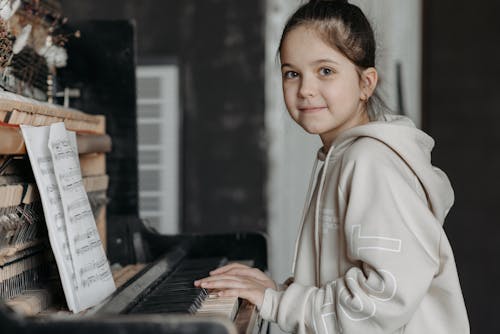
5, 46
32, 46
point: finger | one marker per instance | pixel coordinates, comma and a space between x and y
255, 274
227, 267
218, 277
225, 284
200, 282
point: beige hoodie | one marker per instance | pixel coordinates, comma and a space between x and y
372, 256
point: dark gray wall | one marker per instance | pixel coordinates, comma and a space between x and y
219, 46
100, 77
157, 22
461, 111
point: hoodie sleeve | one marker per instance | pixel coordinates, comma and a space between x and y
392, 242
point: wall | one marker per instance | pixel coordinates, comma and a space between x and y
461, 112
157, 22
219, 47
398, 31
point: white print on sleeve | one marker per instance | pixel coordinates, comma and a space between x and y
359, 243
328, 316
353, 307
386, 288
382, 287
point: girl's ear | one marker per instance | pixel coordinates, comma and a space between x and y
369, 79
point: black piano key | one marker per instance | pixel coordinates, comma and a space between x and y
176, 293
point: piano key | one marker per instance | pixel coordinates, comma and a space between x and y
176, 293
215, 305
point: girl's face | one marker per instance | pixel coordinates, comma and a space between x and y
323, 91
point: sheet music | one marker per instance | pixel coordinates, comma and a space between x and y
78, 250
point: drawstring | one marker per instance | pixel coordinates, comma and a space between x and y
316, 213
304, 212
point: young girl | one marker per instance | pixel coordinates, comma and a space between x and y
372, 256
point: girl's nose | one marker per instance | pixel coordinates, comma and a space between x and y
307, 88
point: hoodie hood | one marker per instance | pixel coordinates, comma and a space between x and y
414, 147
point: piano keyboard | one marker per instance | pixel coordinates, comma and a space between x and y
176, 292
167, 287
212, 305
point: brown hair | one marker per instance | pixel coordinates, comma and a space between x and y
345, 28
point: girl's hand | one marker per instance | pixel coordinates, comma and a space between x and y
237, 280
238, 269
235, 286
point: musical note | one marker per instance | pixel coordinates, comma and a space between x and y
55, 200
83, 249
71, 175
95, 243
74, 281
73, 186
59, 221
94, 265
91, 280
79, 203
66, 251
47, 171
88, 246
52, 188
76, 218
61, 144
85, 236
105, 275
64, 155
44, 160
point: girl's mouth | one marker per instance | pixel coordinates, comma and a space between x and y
310, 109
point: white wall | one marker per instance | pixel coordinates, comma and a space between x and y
397, 26
291, 150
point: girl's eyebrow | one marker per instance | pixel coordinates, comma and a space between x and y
315, 62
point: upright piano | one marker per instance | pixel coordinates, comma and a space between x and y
156, 293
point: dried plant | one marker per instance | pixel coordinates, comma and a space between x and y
5, 46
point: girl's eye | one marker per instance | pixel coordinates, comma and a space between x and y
325, 71
290, 75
